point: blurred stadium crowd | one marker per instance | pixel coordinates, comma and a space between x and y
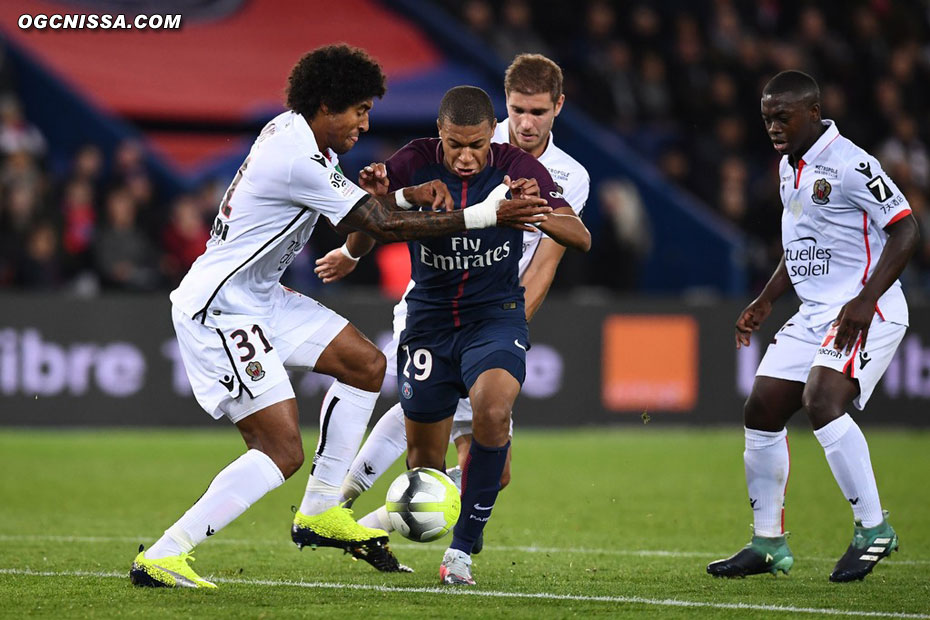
679, 80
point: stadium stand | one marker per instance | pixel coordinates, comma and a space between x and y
673, 140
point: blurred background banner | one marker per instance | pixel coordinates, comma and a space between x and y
69, 363
116, 146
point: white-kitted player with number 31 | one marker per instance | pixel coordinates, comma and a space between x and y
238, 328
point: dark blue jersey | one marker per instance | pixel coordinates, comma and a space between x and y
473, 275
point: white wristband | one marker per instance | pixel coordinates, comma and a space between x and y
481, 215
402, 202
345, 252
484, 214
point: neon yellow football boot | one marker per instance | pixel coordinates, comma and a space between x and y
337, 528
170, 572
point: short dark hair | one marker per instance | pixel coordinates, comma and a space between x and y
339, 76
796, 83
466, 106
531, 74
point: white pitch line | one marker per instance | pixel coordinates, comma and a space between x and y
635, 553
629, 600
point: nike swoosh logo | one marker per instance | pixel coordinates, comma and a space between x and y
517, 342
180, 580
480, 507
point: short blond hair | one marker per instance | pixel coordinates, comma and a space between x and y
531, 74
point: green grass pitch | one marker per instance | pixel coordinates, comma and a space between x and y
598, 522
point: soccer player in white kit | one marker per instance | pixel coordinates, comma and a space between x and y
847, 233
533, 87
239, 329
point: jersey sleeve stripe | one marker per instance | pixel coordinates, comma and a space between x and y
868, 250
203, 311
899, 216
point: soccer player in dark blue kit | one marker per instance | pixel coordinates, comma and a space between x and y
466, 331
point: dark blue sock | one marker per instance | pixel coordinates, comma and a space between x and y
481, 481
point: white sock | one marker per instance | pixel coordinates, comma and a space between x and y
767, 466
242, 483
377, 519
343, 420
848, 455
387, 441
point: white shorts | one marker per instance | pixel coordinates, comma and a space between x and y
236, 369
797, 348
461, 419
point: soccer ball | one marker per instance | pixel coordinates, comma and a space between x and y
423, 504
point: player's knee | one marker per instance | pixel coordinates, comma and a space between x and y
753, 411
759, 415
370, 370
288, 456
378, 368
492, 428
294, 460
821, 408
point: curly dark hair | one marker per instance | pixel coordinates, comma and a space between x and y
339, 76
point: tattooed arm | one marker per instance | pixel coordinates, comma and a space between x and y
379, 218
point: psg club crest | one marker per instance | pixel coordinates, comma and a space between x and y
822, 191
407, 390
254, 370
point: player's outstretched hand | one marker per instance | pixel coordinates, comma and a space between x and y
750, 320
373, 179
854, 319
334, 266
434, 194
523, 188
519, 213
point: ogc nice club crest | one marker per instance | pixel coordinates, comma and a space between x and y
822, 191
254, 370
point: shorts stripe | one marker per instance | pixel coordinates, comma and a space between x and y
850, 367
235, 369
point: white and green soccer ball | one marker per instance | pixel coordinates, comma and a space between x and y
423, 504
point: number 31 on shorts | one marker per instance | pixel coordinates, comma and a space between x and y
422, 363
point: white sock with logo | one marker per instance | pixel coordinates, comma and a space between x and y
387, 441
767, 463
848, 455
241, 483
343, 421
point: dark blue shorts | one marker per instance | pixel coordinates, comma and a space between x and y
436, 369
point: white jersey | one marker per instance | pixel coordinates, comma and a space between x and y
571, 178
837, 203
265, 219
